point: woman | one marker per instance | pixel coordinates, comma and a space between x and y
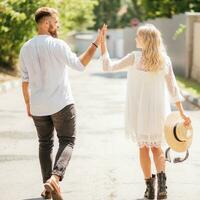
151, 82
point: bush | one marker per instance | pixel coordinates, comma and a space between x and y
17, 23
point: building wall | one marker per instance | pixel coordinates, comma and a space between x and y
176, 49
196, 53
122, 41
114, 42
193, 46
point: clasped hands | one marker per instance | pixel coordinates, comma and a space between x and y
101, 39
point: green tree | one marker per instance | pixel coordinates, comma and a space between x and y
166, 8
163, 8
76, 15
17, 22
107, 12
133, 11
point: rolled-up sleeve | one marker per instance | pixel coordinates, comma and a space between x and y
172, 86
23, 68
68, 57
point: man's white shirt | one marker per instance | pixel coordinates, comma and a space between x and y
44, 61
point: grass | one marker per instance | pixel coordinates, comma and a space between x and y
190, 86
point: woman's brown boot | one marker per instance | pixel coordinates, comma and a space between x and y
150, 190
162, 188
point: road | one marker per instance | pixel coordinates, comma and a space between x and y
105, 164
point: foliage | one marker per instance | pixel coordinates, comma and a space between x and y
17, 22
76, 15
179, 31
191, 86
108, 11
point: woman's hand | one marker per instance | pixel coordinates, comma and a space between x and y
186, 118
103, 40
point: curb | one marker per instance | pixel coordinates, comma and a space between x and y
190, 98
4, 87
8, 85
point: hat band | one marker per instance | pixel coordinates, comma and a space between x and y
175, 134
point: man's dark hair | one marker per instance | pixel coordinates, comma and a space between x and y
44, 12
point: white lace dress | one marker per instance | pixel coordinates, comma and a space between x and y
148, 97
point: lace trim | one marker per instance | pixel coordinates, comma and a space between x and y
141, 140
149, 144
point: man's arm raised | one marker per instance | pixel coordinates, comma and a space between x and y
88, 54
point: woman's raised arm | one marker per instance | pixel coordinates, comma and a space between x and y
108, 65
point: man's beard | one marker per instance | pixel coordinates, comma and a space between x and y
53, 33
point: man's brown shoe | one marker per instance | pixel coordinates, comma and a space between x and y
53, 187
46, 194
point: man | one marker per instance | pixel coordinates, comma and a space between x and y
44, 60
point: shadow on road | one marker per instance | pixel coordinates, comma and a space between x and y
113, 75
187, 106
35, 199
11, 111
14, 157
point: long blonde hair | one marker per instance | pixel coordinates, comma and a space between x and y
152, 47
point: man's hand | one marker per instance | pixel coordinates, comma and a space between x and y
25, 90
28, 110
88, 54
99, 37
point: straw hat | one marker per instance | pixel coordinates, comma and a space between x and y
178, 136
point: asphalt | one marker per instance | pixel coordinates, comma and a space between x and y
105, 163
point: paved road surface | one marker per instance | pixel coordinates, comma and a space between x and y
105, 164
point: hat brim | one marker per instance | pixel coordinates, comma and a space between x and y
178, 146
